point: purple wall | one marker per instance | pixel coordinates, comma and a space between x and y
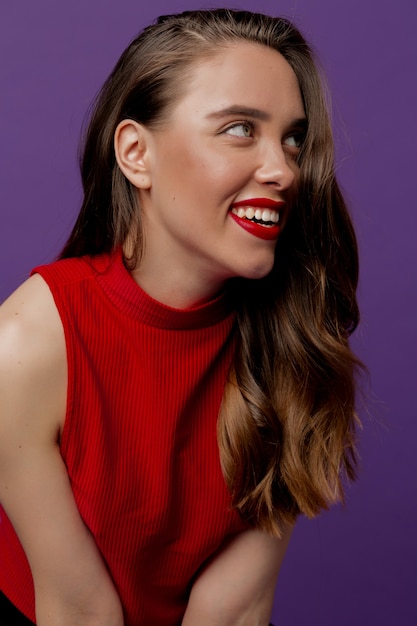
355, 565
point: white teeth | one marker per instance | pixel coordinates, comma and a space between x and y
263, 215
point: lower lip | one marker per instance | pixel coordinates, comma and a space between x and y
267, 233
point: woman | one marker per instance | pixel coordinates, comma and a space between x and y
179, 387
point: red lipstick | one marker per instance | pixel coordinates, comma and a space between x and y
268, 232
261, 203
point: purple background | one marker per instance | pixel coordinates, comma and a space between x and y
353, 565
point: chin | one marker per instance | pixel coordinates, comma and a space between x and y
258, 271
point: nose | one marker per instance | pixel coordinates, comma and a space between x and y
276, 167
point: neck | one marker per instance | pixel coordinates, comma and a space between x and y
178, 292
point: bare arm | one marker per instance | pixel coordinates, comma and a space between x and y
72, 585
237, 586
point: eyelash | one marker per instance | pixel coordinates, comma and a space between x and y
245, 123
297, 135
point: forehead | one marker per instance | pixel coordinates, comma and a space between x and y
244, 72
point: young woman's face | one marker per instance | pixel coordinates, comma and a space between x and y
223, 169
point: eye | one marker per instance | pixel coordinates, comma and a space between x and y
294, 141
240, 129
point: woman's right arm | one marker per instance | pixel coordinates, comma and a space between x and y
72, 584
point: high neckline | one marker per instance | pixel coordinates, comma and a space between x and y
120, 287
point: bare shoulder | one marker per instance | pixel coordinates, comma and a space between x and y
32, 357
72, 584
29, 302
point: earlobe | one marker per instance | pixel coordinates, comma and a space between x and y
131, 153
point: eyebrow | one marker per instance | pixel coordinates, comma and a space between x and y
257, 114
240, 110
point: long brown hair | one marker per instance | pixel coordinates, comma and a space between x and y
286, 428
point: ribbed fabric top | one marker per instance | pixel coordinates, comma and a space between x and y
145, 383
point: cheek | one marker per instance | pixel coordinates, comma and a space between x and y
297, 178
194, 168
226, 175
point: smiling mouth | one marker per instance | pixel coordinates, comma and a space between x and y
264, 217
260, 217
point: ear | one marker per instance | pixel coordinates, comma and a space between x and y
132, 153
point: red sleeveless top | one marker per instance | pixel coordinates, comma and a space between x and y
145, 383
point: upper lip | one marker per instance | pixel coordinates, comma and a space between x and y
262, 203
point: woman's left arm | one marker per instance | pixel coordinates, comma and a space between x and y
237, 586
